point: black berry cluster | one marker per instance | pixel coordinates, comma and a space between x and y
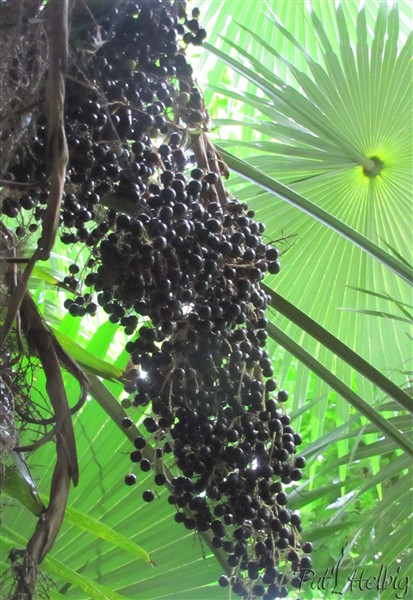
209, 380
167, 249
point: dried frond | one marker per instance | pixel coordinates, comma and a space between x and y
23, 65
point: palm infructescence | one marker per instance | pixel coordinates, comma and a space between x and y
325, 162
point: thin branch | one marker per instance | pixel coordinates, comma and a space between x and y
57, 150
21, 184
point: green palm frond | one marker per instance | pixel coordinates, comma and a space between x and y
346, 152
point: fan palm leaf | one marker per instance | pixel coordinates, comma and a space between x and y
348, 155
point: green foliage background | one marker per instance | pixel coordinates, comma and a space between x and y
301, 102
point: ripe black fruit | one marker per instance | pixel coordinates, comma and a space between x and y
130, 479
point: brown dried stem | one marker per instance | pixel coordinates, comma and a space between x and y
57, 151
42, 343
208, 159
56, 148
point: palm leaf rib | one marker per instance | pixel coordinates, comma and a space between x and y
308, 324
361, 405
